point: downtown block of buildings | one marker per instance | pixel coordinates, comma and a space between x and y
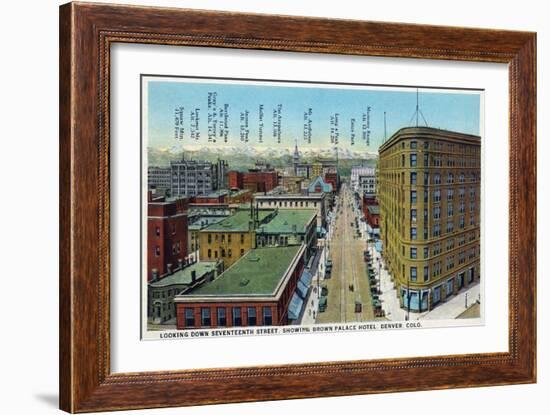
429, 194
236, 248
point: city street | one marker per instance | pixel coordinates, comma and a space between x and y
349, 283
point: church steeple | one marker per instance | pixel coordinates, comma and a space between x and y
296, 156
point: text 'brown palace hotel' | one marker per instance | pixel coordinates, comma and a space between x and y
429, 193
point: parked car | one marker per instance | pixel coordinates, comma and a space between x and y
322, 304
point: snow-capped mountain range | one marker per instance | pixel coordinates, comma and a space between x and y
256, 152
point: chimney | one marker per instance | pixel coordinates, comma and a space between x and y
193, 276
169, 268
180, 263
155, 273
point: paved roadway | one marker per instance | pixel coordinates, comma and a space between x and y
348, 269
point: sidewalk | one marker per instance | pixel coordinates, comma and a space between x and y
456, 305
449, 309
312, 305
389, 299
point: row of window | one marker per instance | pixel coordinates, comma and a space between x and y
436, 228
157, 230
437, 178
436, 266
436, 195
450, 210
235, 315
176, 249
436, 249
436, 161
414, 252
224, 253
429, 161
222, 237
291, 203
439, 146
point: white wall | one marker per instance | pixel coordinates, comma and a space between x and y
28, 96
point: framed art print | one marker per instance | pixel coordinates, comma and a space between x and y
261, 207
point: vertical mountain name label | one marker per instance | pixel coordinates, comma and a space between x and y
179, 129
335, 128
366, 130
277, 122
261, 123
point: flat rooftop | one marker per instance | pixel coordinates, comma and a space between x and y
286, 219
237, 222
184, 276
215, 193
204, 221
258, 272
289, 196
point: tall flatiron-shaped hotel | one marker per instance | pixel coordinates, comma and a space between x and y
429, 193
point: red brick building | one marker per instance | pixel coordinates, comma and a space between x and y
254, 180
166, 236
235, 180
213, 198
333, 179
258, 290
371, 211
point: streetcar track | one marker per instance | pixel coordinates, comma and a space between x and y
342, 271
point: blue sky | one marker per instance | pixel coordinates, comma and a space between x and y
446, 109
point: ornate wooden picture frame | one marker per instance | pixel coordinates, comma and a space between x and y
87, 32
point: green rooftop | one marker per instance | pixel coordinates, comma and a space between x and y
287, 219
184, 276
206, 220
215, 193
258, 272
237, 222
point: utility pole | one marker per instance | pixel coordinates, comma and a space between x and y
417, 107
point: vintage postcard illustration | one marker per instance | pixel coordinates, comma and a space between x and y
274, 207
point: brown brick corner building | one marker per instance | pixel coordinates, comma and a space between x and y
166, 236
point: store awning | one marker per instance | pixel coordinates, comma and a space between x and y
295, 307
321, 231
302, 289
306, 278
